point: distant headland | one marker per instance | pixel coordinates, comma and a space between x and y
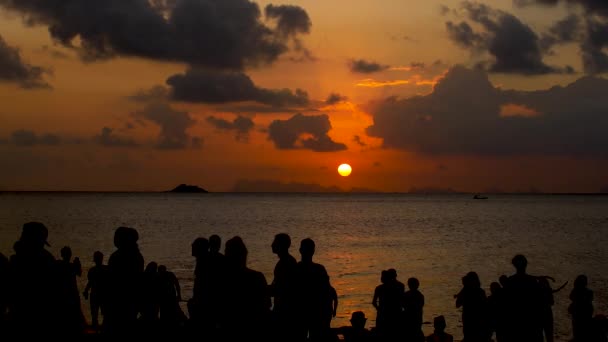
185, 188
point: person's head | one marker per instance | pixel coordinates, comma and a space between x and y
580, 282
503, 280
307, 248
358, 319
215, 243
391, 274
520, 263
200, 247
471, 280
66, 253
384, 278
34, 235
439, 324
98, 258
236, 252
152, 267
495, 288
413, 284
125, 237
281, 243
162, 269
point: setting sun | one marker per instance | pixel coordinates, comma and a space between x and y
344, 170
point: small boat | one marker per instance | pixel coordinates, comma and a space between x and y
479, 197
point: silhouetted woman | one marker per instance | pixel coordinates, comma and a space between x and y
413, 304
246, 310
69, 296
125, 269
150, 290
581, 309
472, 299
388, 303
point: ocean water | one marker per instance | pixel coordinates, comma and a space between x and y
434, 238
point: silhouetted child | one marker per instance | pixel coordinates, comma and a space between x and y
547, 302
496, 314
149, 294
439, 335
413, 303
95, 288
581, 309
356, 332
69, 296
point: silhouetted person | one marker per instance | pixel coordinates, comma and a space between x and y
581, 309
149, 295
4, 278
69, 296
472, 299
199, 304
333, 294
217, 267
33, 286
524, 304
503, 280
125, 269
283, 290
95, 289
388, 299
547, 302
314, 294
356, 332
439, 335
413, 303
169, 297
246, 309
496, 311
600, 329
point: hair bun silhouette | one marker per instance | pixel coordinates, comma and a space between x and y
34, 233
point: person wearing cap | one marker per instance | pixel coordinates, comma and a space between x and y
33, 285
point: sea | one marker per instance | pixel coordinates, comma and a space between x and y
434, 238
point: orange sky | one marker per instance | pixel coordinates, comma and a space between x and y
399, 36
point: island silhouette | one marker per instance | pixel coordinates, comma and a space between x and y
186, 188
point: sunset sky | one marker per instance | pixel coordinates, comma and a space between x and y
233, 95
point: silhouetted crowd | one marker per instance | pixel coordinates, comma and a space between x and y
39, 298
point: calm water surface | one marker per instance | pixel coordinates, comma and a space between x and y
437, 239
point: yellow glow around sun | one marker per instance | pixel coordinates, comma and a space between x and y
344, 170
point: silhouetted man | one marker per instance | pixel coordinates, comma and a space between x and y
314, 293
388, 300
96, 288
69, 296
439, 335
356, 332
33, 286
125, 269
283, 290
170, 295
413, 303
214, 277
523, 298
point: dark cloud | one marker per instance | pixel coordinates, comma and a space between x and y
241, 125
599, 7
25, 137
363, 66
358, 141
306, 132
229, 34
110, 139
173, 125
335, 98
466, 115
211, 86
513, 45
566, 30
15, 70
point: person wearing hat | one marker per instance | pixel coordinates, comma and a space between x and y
33, 285
440, 335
